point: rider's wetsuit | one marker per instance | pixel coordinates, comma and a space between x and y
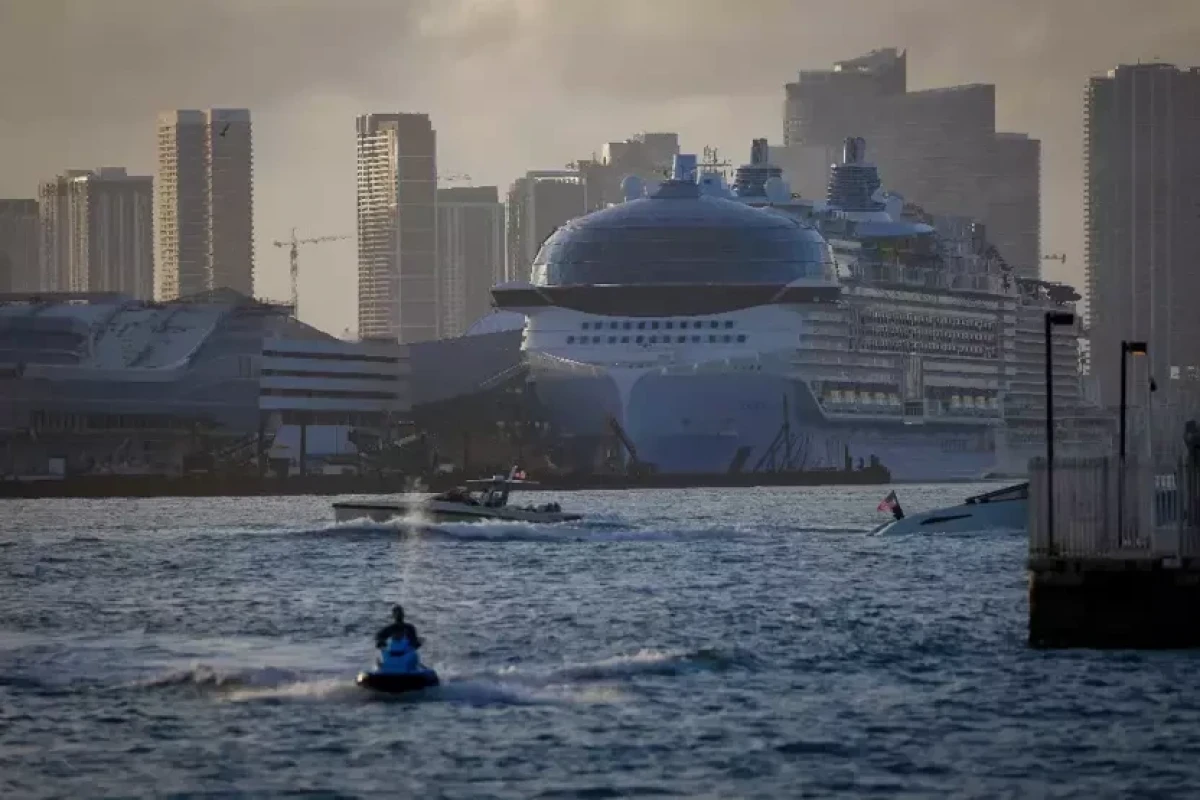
398, 630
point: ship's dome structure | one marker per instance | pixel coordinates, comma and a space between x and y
679, 235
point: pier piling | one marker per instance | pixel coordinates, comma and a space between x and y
1112, 570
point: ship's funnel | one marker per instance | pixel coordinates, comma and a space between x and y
854, 150
684, 167
759, 152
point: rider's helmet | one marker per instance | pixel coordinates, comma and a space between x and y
398, 613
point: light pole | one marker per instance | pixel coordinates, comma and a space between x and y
1052, 318
1127, 349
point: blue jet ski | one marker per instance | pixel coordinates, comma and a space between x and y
398, 670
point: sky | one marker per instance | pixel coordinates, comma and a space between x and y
513, 85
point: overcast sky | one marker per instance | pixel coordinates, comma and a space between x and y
523, 84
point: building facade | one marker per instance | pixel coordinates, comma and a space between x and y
538, 203
97, 232
20, 246
939, 147
470, 255
648, 156
205, 202
397, 227
108, 384
1142, 172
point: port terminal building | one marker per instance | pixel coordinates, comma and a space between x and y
102, 382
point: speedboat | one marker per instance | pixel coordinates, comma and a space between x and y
1003, 509
485, 499
399, 670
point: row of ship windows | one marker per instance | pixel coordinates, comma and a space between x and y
655, 325
940, 333
929, 348
929, 319
712, 339
946, 398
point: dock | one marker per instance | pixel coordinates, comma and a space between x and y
1114, 554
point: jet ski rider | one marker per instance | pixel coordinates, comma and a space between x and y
398, 629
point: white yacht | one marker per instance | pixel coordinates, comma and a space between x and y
479, 500
1002, 509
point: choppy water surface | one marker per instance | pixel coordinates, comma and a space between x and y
737, 643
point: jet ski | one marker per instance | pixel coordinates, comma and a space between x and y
398, 670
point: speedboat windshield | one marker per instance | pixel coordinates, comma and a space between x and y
1018, 492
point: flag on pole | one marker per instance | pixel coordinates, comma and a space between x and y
892, 503
518, 474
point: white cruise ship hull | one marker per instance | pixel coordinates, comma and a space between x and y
697, 423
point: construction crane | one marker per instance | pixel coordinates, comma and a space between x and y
293, 245
454, 177
1059, 257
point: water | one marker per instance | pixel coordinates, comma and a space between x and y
748, 643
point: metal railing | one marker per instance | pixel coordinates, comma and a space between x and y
1103, 509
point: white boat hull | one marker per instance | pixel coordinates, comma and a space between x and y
1008, 511
440, 511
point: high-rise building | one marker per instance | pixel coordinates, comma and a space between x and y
98, 232
397, 227
20, 246
537, 205
1141, 133
939, 147
205, 202
470, 255
1014, 201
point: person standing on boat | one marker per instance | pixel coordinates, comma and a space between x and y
398, 629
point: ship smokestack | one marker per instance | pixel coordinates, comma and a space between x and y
759, 153
854, 150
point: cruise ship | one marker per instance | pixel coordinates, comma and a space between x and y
705, 326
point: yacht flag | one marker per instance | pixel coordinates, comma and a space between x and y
891, 503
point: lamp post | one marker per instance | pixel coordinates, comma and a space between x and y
1127, 349
1052, 318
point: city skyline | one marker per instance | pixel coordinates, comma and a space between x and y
540, 118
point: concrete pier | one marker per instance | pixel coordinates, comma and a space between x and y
1119, 565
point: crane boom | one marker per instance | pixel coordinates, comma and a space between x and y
293, 246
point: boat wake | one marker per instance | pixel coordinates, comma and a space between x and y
606, 681
503, 531
646, 662
492, 531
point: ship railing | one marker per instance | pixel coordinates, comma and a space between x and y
1104, 508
